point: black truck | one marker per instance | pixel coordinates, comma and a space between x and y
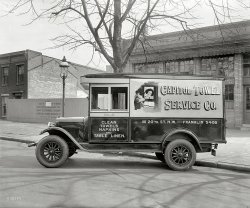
173, 116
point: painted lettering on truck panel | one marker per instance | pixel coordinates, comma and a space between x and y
176, 98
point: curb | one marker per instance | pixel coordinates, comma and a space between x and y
16, 140
221, 165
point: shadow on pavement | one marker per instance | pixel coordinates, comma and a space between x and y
84, 163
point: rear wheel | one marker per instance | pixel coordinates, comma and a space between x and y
52, 151
180, 155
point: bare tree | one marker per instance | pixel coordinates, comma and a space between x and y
105, 24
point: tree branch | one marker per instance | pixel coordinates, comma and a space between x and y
129, 7
141, 28
95, 34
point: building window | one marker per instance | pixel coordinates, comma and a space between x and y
209, 66
5, 75
247, 71
246, 65
180, 67
226, 66
229, 96
218, 66
20, 74
17, 95
172, 67
154, 67
139, 68
248, 98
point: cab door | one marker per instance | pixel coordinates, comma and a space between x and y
109, 113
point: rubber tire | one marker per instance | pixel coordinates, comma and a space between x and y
60, 142
180, 142
160, 156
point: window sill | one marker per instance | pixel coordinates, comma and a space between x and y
113, 111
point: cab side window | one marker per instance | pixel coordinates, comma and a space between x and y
119, 97
99, 98
110, 98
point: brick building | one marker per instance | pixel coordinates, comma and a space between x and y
30, 74
215, 50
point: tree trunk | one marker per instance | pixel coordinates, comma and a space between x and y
117, 40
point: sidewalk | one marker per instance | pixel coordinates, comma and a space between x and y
21, 132
235, 155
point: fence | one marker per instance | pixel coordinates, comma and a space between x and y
44, 110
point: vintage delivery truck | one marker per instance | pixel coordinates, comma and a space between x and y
174, 117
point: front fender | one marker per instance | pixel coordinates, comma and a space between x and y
53, 130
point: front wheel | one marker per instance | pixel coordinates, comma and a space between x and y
52, 151
180, 155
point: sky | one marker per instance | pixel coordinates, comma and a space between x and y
15, 35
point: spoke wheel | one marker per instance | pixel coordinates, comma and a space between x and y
52, 151
180, 154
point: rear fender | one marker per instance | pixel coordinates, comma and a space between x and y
63, 133
190, 136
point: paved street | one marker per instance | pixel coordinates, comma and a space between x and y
94, 180
235, 155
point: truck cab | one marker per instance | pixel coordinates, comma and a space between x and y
173, 116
